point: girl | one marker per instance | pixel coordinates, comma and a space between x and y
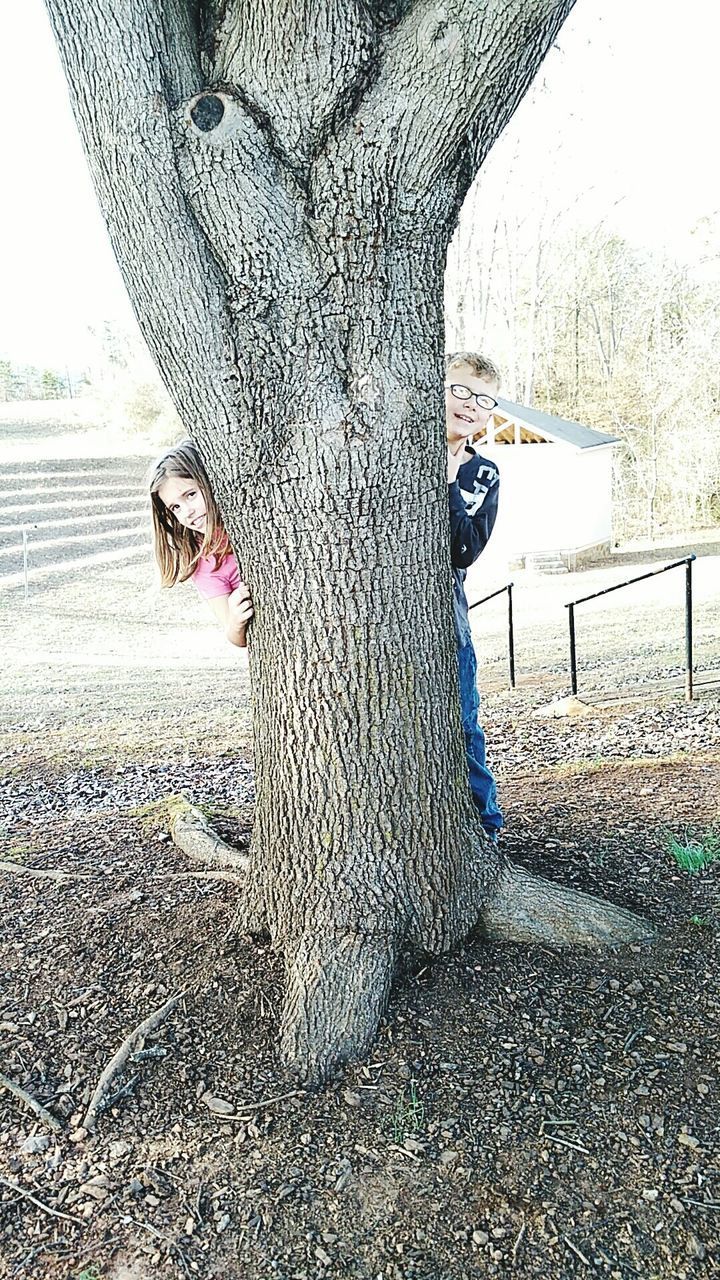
191, 542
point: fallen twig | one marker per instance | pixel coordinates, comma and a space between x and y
403, 1151
147, 1226
270, 1102
51, 1121
576, 1251
198, 1204
517, 1243
121, 1093
614, 1264
563, 1142
119, 1059
193, 834
246, 1113
55, 1213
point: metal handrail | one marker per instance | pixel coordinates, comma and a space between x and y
570, 606
511, 628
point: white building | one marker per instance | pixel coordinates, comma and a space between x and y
555, 489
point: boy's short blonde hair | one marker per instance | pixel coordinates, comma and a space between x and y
481, 366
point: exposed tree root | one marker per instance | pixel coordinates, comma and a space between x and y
526, 908
337, 989
338, 985
41, 873
193, 834
118, 1060
72, 877
45, 1116
234, 877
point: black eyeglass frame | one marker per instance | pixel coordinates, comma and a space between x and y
461, 392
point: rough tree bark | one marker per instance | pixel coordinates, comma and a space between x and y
280, 183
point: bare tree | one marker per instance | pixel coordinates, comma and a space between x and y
280, 184
588, 326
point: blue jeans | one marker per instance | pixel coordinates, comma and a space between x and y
482, 783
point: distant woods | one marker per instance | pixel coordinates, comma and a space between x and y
584, 325
119, 377
130, 393
30, 382
591, 328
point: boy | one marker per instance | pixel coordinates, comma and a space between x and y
471, 385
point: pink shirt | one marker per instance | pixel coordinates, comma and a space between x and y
213, 579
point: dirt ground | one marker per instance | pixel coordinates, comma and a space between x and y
524, 1112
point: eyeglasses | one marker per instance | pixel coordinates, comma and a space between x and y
464, 393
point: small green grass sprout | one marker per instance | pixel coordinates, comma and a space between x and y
409, 1114
695, 853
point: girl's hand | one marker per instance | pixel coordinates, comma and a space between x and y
240, 603
240, 611
233, 612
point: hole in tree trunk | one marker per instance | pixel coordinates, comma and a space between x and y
208, 112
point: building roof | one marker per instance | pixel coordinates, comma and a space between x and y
558, 429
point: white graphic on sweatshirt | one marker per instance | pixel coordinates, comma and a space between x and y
482, 484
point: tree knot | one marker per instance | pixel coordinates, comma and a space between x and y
207, 112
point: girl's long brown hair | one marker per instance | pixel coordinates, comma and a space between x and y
177, 549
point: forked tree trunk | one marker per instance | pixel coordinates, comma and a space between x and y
280, 187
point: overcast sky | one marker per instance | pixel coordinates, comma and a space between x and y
630, 110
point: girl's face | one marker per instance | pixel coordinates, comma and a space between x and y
184, 500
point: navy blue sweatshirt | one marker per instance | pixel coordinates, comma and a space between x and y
473, 508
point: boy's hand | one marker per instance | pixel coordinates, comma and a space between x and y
456, 457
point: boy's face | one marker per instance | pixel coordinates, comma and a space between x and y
465, 417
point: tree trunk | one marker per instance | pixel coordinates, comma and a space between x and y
280, 189
365, 835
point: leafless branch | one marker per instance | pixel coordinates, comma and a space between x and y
118, 1060
54, 1213
28, 1101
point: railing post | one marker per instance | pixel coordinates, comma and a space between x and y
511, 636
688, 633
642, 577
25, 560
573, 659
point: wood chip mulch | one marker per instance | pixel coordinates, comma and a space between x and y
525, 1112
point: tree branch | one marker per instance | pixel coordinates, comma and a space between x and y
46, 1208
514, 75
247, 203
295, 62
181, 64
120, 1057
125, 124
41, 1112
451, 78
40, 873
